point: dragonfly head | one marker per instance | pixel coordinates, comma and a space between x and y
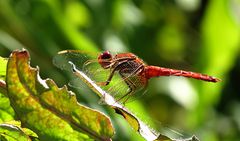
105, 59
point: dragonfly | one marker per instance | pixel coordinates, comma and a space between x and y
131, 70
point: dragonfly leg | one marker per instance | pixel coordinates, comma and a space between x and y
131, 85
132, 88
109, 78
114, 68
131, 92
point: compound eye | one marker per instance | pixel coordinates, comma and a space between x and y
106, 55
105, 59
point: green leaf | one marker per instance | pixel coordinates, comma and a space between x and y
3, 66
128, 117
11, 132
52, 113
6, 111
163, 138
25, 130
3, 88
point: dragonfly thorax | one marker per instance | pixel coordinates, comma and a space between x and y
129, 68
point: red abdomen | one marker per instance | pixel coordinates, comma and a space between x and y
154, 71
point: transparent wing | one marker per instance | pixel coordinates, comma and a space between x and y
84, 61
61, 60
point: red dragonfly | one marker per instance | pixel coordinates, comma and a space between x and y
129, 65
133, 71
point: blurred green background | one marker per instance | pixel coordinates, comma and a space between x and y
201, 36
